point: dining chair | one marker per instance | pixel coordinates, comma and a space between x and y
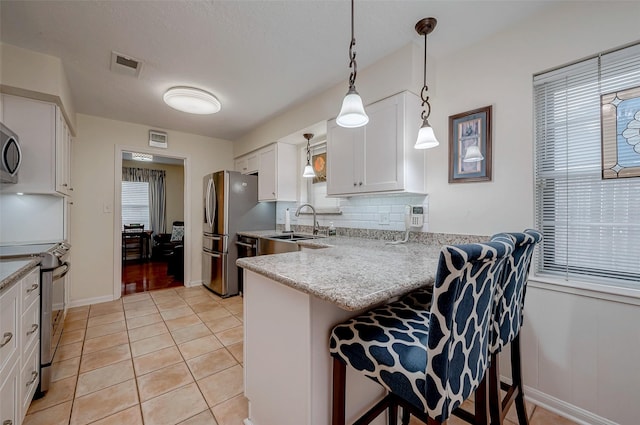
429, 358
508, 319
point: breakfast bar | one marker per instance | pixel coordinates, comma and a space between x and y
293, 300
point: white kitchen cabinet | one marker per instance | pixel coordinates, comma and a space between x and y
277, 169
379, 157
45, 141
20, 354
247, 164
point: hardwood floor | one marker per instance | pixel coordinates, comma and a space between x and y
146, 276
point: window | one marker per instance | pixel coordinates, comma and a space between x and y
591, 225
135, 203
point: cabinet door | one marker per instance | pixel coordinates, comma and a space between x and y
382, 159
267, 175
35, 124
9, 326
240, 165
9, 396
252, 163
344, 150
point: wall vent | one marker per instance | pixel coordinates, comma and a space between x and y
158, 139
126, 65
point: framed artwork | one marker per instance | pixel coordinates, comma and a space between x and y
319, 163
620, 117
470, 146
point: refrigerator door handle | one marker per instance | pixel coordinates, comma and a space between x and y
214, 196
212, 254
208, 202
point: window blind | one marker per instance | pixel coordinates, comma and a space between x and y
135, 203
591, 225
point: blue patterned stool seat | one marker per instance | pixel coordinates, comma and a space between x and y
429, 351
388, 345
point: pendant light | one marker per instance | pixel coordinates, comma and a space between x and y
426, 136
352, 113
308, 169
473, 154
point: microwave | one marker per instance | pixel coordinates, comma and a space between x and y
10, 155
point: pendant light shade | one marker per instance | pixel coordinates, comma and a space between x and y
473, 154
308, 169
352, 113
426, 136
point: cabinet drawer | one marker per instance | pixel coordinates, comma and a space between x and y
29, 379
9, 393
30, 288
9, 322
30, 326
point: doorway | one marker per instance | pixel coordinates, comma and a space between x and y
152, 254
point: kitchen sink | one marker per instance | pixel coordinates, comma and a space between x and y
292, 237
278, 244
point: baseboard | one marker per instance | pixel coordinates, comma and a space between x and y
88, 301
564, 409
194, 283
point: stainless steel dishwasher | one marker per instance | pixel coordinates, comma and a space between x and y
247, 247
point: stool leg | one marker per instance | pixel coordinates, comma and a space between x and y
393, 414
339, 383
481, 404
516, 371
495, 399
406, 416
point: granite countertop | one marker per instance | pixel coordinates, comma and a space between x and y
352, 273
12, 271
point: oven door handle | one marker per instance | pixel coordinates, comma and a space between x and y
66, 265
247, 245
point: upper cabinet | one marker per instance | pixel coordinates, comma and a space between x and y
277, 168
45, 141
378, 157
247, 164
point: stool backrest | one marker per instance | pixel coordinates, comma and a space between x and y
509, 297
460, 322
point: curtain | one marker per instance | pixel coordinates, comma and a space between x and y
157, 193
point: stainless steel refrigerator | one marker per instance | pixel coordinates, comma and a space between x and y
230, 205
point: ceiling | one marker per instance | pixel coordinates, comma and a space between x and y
258, 57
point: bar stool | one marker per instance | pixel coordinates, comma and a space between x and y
429, 359
508, 318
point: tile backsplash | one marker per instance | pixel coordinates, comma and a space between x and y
379, 212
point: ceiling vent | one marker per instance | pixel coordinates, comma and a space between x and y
125, 65
157, 139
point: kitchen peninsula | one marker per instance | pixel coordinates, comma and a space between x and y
293, 300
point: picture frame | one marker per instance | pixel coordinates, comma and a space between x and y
319, 163
469, 130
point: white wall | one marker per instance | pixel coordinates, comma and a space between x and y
93, 179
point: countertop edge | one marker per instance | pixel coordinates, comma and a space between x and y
19, 273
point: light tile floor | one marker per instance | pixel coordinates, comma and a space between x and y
172, 356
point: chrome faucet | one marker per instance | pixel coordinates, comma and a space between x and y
315, 223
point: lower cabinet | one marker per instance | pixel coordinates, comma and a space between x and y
19, 334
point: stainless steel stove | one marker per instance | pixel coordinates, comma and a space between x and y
54, 266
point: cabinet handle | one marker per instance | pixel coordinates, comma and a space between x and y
273, 193
360, 184
32, 288
64, 185
34, 376
355, 184
6, 338
7, 422
34, 328
71, 188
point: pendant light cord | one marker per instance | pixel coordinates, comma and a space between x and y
308, 152
352, 54
423, 93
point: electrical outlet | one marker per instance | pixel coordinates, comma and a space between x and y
384, 218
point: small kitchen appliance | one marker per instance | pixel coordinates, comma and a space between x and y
10, 155
230, 205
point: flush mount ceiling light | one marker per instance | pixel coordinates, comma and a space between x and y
192, 100
426, 136
141, 156
308, 169
352, 113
